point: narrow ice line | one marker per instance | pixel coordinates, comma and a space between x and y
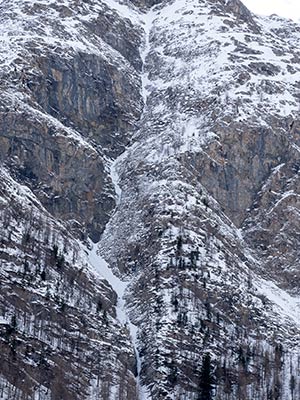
119, 287
115, 180
100, 265
148, 24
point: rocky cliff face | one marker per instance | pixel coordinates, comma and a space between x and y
169, 133
70, 97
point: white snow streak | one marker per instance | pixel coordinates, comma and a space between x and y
147, 24
119, 287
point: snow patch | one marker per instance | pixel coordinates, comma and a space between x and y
286, 305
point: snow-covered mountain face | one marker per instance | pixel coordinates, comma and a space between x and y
170, 131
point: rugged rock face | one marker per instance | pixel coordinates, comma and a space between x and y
64, 88
169, 131
273, 227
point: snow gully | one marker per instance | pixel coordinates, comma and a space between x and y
97, 261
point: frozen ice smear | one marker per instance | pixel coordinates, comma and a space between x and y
119, 287
117, 284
